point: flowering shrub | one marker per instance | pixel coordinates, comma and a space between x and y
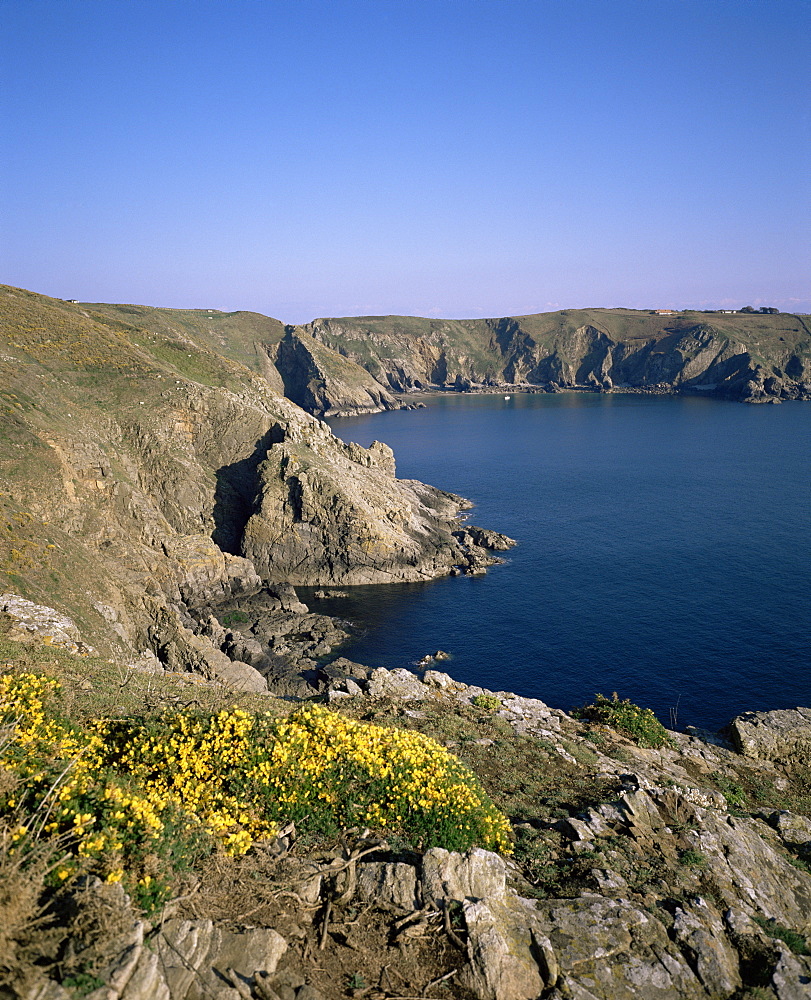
140, 798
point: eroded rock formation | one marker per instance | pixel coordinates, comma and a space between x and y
748, 357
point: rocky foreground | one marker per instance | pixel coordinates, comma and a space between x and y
666, 873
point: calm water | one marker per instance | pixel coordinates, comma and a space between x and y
664, 550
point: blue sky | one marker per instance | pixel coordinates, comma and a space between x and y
453, 158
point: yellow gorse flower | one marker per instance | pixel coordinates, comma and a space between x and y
234, 776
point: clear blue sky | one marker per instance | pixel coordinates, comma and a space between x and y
454, 158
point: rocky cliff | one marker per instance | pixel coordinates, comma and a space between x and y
323, 382
752, 357
146, 477
149, 480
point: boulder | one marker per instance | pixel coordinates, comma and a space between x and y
793, 830
389, 882
791, 979
699, 931
196, 955
783, 735
474, 875
509, 957
400, 684
611, 949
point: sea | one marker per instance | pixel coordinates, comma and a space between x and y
664, 551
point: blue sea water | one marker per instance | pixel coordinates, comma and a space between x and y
663, 552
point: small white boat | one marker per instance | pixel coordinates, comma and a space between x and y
506, 397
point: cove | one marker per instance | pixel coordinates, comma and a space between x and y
663, 550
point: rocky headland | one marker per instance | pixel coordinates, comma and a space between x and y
162, 495
146, 479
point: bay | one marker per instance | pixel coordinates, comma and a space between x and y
663, 550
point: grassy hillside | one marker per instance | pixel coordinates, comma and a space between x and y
104, 425
771, 331
232, 334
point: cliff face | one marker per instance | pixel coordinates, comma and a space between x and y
321, 381
752, 357
146, 476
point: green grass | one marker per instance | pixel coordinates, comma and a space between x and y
732, 791
691, 858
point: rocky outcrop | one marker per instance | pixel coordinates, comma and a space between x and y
333, 514
678, 897
199, 959
782, 735
323, 382
33, 623
181, 485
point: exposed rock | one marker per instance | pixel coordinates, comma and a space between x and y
323, 382
597, 349
791, 979
147, 499
392, 883
33, 623
470, 535
699, 931
443, 681
610, 948
747, 866
793, 830
399, 683
782, 735
195, 954
342, 667
318, 520
509, 957
206, 575
47, 990
147, 981
474, 875
308, 992
181, 651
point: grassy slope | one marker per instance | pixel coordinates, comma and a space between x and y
235, 335
70, 374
